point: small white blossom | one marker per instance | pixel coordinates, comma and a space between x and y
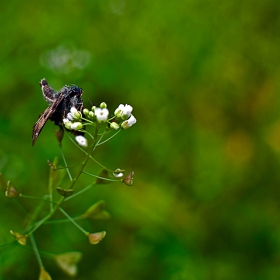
67, 123
101, 114
123, 111
128, 123
65, 120
81, 140
76, 126
70, 117
74, 115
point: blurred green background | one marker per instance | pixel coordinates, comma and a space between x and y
203, 79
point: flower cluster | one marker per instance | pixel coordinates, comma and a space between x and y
123, 113
73, 120
98, 116
95, 126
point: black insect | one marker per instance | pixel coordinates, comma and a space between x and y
60, 105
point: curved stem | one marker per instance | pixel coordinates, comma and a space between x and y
102, 178
91, 157
109, 138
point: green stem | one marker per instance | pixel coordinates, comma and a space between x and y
109, 138
72, 184
35, 249
85, 160
73, 221
81, 191
65, 163
37, 198
102, 178
91, 157
38, 224
60, 221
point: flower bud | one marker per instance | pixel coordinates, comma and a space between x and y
86, 112
114, 125
95, 238
76, 126
103, 105
91, 114
67, 123
93, 108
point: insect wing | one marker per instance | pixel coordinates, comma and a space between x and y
38, 126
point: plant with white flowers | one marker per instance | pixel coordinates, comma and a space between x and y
91, 129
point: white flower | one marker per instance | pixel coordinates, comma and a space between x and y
67, 123
76, 126
128, 123
81, 140
123, 111
65, 120
101, 114
74, 114
69, 117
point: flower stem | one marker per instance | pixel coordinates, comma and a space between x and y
72, 184
85, 160
35, 249
109, 138
73, 221
102, 178
65, 163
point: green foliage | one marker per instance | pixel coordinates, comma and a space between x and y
203, 79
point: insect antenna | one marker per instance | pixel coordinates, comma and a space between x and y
87, 97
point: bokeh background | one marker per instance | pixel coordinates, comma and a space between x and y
203, 79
